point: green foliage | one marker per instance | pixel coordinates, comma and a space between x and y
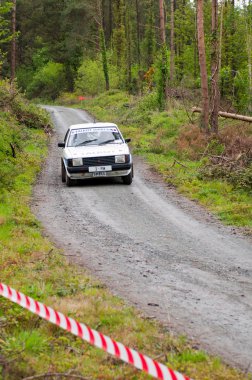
240, 177
241, 87
162, 81
90, 78
5, 34
48, 82
14, 135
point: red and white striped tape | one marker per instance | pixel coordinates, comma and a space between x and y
95, 338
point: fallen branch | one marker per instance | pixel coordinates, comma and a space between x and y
179, 163
214, 156
228, 115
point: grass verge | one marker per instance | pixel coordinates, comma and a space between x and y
157, 136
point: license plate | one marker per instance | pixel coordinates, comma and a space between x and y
99, 174
93, 169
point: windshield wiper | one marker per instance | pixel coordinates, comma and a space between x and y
107, 141
85, 142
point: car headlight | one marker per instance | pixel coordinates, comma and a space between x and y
77, 162
120, 159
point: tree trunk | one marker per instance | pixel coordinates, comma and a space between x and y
13, 42
228, 115
172, 43
104, 58
249, 48
138, 33
100, 23
110, 26
129, 57
215, 97
162, 21
203, 68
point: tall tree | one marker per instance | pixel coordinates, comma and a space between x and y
162, 22
203, 66
138, 33
248, 9
172, 54
215, 97
5, 35
119, 37
100, 23
13, 42
150, 36
129, 49
163, 71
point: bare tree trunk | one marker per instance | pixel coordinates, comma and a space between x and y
138, 33
250, 71
215, 96
13, 42
100, 22
110, 28
249, 48
221, 33
129, 58
228, 115
172, 43
195, 48
203, 68
162, 21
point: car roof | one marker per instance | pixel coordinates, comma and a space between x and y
92, 125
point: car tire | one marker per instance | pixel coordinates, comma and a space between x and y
127, 179
63, 172
69, 181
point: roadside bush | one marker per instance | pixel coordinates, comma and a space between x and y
241, 86
191, 142
16, 114
13, 102
31, 116
149, 102
48, 82
90, 79
234, 162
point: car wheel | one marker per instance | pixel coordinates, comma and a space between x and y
63, 172
127, 179
69, 181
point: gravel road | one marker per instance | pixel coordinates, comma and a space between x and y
154, 248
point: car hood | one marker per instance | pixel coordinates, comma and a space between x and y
96, 150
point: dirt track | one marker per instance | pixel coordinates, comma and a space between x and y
155, 249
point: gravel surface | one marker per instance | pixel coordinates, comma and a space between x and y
153, 248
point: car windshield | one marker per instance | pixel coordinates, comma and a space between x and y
94, 136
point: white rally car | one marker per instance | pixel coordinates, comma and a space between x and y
95, 150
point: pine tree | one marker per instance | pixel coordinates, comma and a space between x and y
203, 67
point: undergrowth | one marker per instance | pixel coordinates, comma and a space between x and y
216, 172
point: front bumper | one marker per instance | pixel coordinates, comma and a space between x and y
79, 172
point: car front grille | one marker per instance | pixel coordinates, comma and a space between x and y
99, 161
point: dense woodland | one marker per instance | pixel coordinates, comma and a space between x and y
137, 45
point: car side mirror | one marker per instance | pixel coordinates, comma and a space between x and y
61, 145
127, 140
